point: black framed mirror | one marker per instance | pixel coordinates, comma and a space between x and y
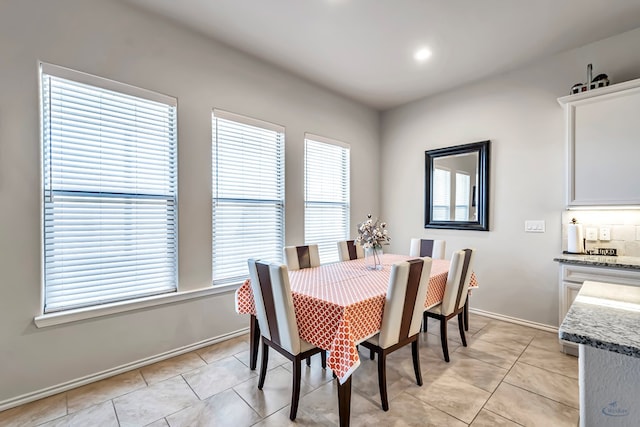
457, 187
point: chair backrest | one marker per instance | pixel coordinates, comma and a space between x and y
427, 247
455, 292
349, 250
298, 257
404, 305
274, 304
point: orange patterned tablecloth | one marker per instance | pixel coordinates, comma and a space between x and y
338, 305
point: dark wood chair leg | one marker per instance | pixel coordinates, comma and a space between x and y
323, 359
254, 341
309, 361
295, 394
382, 380
263, 366
425, 321
344, 402
415, 352
372, 354
466, 314
443, 339
461, 327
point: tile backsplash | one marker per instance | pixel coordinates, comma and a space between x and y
624, 226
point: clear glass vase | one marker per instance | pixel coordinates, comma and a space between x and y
373, 258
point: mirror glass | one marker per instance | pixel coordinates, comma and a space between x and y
456, 194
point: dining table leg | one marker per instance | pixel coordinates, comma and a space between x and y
254, 342
344, 402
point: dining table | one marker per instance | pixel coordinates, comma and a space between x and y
337, 306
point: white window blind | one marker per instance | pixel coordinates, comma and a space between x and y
326, 194
441, 194
248, 194
110, 186
463, 196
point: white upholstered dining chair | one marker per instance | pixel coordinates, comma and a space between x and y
455, 297
277, 320
298, 257
402, 318
427, 247
349, 249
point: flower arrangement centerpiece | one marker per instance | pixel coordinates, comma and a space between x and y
372, 235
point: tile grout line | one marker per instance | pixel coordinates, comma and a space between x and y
438, 409
200, 356
551, 372
143, 378
252, 408
221, 391
479, 360
544, 397
530, 391
191, 388
501, 381
498, 415
533, 392
113, 405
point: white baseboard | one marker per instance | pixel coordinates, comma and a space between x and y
515, 320
59, 388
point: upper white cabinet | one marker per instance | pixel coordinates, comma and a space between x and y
603, 136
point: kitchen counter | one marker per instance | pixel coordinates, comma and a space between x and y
577, 269
627, 262
605, 316
604, 321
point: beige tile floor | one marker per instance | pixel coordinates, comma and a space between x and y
509, 375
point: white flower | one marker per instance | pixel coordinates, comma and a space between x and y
372, 234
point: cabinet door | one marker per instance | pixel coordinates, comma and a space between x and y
604, 146
569, 293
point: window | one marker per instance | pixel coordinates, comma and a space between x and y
110, 186
326, 194
441, 194
248, 194
463, 194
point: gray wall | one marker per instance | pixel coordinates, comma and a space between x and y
113, 40
519, 113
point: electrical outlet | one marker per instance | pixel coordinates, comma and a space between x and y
605, 234
591, 233
534, 226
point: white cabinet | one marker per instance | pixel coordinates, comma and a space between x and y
603, 145
573, 276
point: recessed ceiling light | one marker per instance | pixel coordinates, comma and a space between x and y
422, 54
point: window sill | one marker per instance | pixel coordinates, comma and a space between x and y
52, 319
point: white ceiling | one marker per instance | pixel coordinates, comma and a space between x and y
364, 48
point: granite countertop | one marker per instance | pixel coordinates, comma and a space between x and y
626, 262
605, 316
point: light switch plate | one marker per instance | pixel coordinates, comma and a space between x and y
605, 234
591, 233
534, 226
